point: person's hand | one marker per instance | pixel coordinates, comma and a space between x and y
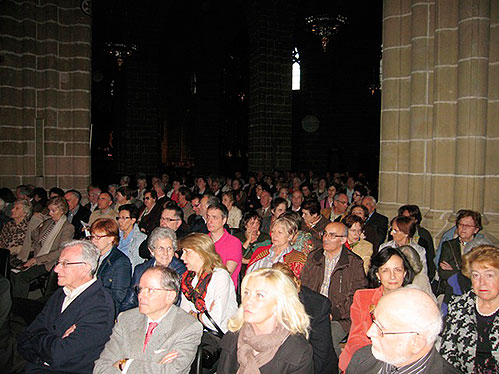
445, 266
169, 357
30, 263
69, 331
254, 236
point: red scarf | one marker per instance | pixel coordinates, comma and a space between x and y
196, 295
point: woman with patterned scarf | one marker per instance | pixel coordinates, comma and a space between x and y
206, 285
268, 335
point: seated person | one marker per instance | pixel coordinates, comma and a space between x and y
13, 232
156, 337
469, 340
130, 235
206, 285
282, 232
313, 221
420, 280
468, 224
389, 271
317, 307
250, 234
75, 324
405, 327
302, 241
270, 330
114, 270
403, 231
235, 214
46, 242
162, 244
279, 207
355, 239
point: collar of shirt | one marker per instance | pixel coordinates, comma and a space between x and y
103, 257
158, 321
416, 367
73, 294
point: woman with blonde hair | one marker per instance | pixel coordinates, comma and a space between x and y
269, 332
206, 285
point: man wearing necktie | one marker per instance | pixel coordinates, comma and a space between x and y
156, 337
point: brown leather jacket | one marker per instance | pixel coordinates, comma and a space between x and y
348, 276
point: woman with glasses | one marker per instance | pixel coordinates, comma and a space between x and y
130, 235
355, 240
150, 213
389, 271
206, 285
114, 269
403, 231
162, 244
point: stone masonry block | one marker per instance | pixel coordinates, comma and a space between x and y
474, 38
470, 157
54, 148
74, 118
492, 155
396, 8
445, 79
420, 120
445, 123
472, 116
77, 149
66, 135
391, 121
492, 115
419, 20
419, 88
415, 149
17, 148
17, 165
446, 51
12, 133
443, 192
493, 84
444, 159
67, 166
77, 182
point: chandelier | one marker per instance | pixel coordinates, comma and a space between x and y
120, 51
325, 26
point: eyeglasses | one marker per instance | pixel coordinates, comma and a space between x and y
383, 333
149, 290
196, 205
463, 226
148, 198
122, 218
169, 219
98, 237
395, 231
162, 249
342, 202
332, 235
68, 263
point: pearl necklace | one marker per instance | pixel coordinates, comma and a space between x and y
485, 314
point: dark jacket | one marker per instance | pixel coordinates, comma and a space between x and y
198, 224
318, 308
380, 223
115, 273
293, 356
451, 253
426, 241
363, 362
93, 314
348, 276
130, 301
151, 220
83, 214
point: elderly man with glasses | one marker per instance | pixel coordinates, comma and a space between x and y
72, 329
162, 244
405, 326
335, 272
156, 337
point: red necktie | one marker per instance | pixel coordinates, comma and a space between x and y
150, 329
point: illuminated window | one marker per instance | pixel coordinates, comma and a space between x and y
295, 81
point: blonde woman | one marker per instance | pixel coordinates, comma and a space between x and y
206, 285
270, 330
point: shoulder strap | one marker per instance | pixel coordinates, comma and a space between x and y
218, 331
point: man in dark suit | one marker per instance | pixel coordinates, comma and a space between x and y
76, 213
378, 221
73, 327
406, 324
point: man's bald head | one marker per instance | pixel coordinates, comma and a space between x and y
415, 318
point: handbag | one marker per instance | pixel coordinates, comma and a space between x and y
210, 343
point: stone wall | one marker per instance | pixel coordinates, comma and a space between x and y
440, 110
45, 52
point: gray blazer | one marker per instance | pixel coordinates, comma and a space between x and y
177, 331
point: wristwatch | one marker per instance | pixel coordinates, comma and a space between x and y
122, 363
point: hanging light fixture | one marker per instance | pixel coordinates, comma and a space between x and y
325, 26
120, 51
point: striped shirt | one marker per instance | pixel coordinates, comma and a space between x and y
416, 367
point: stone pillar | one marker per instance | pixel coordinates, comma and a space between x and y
270, 25
45, 94
440, 110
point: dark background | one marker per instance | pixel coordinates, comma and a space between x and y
181, 100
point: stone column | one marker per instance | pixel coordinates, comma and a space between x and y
45, 94
440, 109
270, 25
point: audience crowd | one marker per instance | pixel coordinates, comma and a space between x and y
281, 273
